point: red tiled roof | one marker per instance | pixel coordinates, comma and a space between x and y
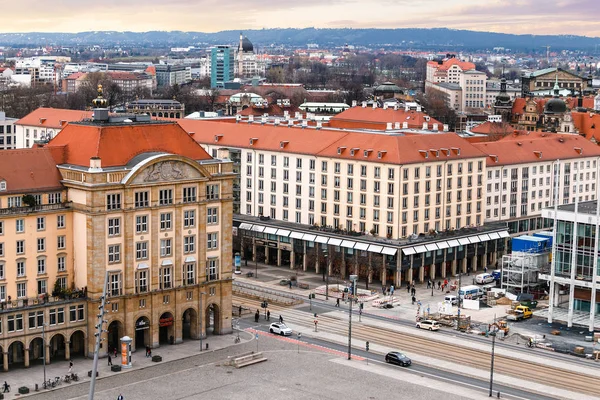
115, 145
29, 170
52, 117
529, 147
75, 75
368, 118
588, 124
464, 65
493, 128
396, 149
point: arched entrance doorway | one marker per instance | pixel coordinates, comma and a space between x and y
212, 320
115, 333
166, 332
142, 333
57, 347
77, 345
16, 354
36, 350
190, 324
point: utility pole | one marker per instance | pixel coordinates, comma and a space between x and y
98, 335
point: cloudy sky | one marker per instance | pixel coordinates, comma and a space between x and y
512, 16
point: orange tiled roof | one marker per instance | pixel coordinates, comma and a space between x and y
29, 170
116, 144
588, 124
493, 128
529, 147
75, 76
396, 149
52, 117
368, 118
464, 65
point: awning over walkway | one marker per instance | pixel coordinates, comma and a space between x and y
408, 251
349, 244
390, 251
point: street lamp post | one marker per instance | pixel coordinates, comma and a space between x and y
459, 301
353, 279
44, 348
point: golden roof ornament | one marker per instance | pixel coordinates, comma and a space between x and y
100, 101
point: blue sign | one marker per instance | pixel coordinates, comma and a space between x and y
238, 263
257, 336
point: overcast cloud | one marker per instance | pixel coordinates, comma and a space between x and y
579, 17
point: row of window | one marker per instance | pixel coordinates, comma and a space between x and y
56, 316
40, 224
17, 201
61, 244
21, 266
165, 197
166, 247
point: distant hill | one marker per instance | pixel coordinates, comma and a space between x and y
433, 39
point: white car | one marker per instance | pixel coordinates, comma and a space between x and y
280, 329
484, 278
429, 325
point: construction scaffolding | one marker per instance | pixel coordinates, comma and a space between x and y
520, 270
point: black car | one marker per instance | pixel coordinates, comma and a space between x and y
397, 358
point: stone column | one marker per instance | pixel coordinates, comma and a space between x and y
318, 253
26, 358
253, 251
292, 258
278, 257
421, 274
474, 264
5, 361
343, 268
464, 265
453, 267
432, 272
304, 261
398, 275
48, 360
410, 275
266, 254
67, 350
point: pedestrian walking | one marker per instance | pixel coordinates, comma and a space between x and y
268, 315
281, 319
485, 269
290, 283
70, 367
240, 311
337, 302
428, 283
439, 285
120, 397
256, 316
414, 299
6, 387
392, 290
408, 288
109, 361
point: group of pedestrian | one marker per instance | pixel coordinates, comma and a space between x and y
388, 290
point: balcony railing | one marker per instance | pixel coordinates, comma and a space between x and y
43, 299
36, 208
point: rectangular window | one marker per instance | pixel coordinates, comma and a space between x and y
189, 244
141, 250
41, 266
114, 253
54, 198
42, 286
141, 223
189, 194
165, 197
212, 215
41, 244
212, 269
189, 218
114, 226
21, 289
61, 263
114, 285
20, 225
60, 221
41, 223
165, 278
142, 199
212, 192
142, 281
20, 247
165, 247
165, 221
113, 201
212, 241
189, 274
14, 201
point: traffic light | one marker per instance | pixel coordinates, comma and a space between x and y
367, 346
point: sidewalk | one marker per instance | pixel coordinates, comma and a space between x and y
35, 374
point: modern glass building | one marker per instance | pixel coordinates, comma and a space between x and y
222, 65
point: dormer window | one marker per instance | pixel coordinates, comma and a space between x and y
2, 186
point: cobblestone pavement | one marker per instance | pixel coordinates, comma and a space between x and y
290, 373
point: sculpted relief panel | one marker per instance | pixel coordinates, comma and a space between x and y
167, 171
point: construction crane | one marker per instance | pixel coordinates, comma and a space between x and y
547, 53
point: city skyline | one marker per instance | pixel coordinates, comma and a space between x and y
565, 17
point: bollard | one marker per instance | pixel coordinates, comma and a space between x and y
36, 388
498, 394
206, 346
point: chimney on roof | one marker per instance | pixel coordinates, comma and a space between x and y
238, 118
425, 126
95, 164
364, 104
250, 119
446, 128
396, 125
435, 127
405, 125
263, 120
298, 115
388, 126
354, 103
396, 107
223, 153
385, 106
406, 108
374, 105
319, 124
276, 122
419, 108
304, 123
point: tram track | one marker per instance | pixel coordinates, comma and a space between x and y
507, 365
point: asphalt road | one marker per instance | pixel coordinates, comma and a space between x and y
442, 376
